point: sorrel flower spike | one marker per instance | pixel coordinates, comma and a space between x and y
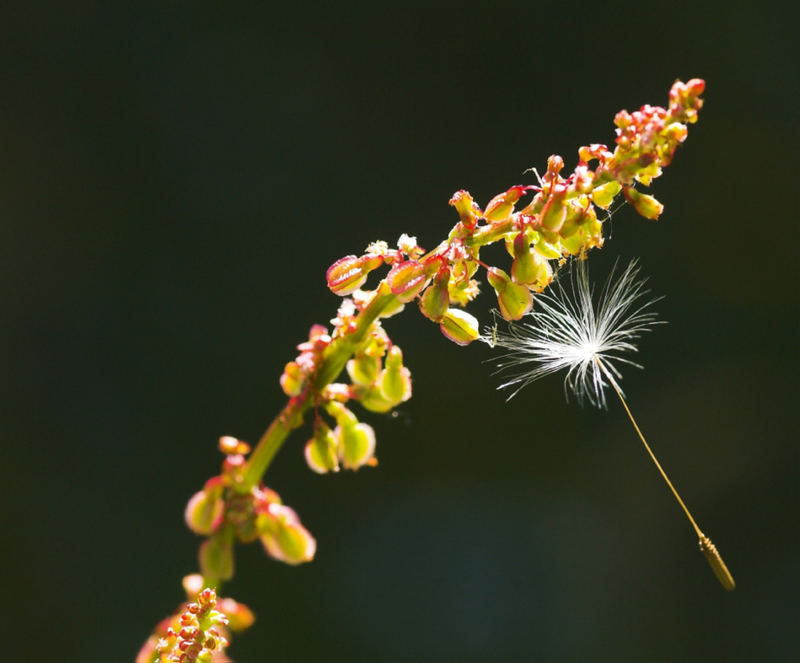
560, 220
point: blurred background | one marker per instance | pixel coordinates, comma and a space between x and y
176, 178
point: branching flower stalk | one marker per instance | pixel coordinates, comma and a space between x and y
570, 331
559, 221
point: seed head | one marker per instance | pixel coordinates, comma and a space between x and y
569, 328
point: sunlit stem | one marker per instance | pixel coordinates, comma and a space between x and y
706, 546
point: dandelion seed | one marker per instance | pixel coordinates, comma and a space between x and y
570, 329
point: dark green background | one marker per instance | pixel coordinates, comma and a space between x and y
175, 181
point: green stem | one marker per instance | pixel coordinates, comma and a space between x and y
291, 416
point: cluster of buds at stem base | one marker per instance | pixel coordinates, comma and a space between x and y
225, 514
199, 631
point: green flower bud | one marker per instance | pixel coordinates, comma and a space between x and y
466, 208
523, 268
363, 369
436, 298
644, 203
502, 205
205, 508
374, 400
284, 537
459, 326
356, 445
396, 378
216, 558
603, 195
320, 451
554, 214
515, 300
293, 379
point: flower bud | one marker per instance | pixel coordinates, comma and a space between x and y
374, 400
407, 279
554, 213
345, 275
515, 300
436, 299
363, 369
396, 378
523, 267
293, 379
320, 451
466, 208
356, 445
644, 203
502, 205
548, 247
205, 508
459, 326
216, 558
284, 537
603, 195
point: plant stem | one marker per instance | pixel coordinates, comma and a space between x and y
291, 416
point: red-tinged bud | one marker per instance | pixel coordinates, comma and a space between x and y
594, 151
230, 445
363, 369
459, 326
348, 273
407, 280
284, 537
293, 379
436, 299
603, 195
502, 205
466, 208
643, 203
204, 511
396, 378
554, 213
239, 615
216, 558
555, 164
676, 132
356, 445
514, 300
320, 451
